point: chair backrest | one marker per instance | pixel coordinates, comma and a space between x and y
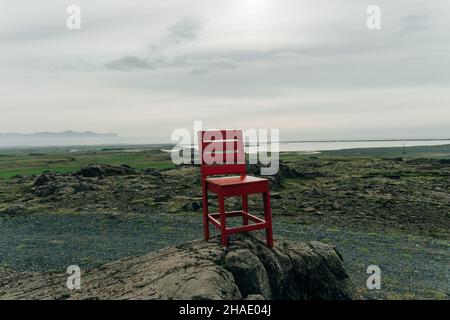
221, 152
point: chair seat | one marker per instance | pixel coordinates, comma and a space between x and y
234, 180
232, 185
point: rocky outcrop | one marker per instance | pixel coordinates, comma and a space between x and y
46, 184
14, 209
104, 170
202, 270
58, 184
45, 178
285, 171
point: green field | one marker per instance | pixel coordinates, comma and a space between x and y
34, 161
439, 152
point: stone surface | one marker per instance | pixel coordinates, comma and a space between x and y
15, 209
45, 179
248, 272
201, 270
104, 170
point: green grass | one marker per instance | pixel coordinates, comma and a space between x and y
34, 161
22, 162
440, 152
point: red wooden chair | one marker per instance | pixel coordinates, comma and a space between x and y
222, 153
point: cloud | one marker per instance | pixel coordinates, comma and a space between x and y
414, 23
287, 55
222, 63
203, 66
130, 63
199, 71
184, 31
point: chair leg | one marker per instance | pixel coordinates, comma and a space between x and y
268, 219
245, 209
205, 214
223, 221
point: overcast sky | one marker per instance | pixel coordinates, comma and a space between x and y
144, 68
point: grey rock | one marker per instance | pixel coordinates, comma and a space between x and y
104, 170
276, 196
14, 209
194, 206
248, 272
202, 270
315, 191
83, 187
45, 190
45, 179
161, 198
277, 180
153, 172
255, 297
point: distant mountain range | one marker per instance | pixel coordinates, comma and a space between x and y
64, 134
64, 138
